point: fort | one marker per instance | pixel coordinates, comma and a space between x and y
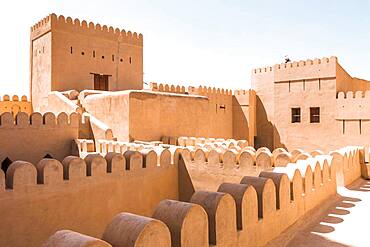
94, 158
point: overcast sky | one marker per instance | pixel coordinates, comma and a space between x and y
203, 42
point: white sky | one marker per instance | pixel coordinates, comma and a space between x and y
203, 42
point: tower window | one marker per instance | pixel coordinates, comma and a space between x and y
93, 53
314, 114
71, 49
121, 60
296, 115
113, 58
102, 57
130, 60
82, 53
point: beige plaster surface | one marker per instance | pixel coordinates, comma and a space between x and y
65, 54
15, 104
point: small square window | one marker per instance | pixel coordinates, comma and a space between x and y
296, 115
314, 114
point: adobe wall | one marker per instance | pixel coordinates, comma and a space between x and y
80, 195
147, 116
30, 138
77, 49
244, 115
15, 104
312, 83
40, 69
232, 115
352, 115
263, 83
250, 212
220, 111
305, 135
346, 83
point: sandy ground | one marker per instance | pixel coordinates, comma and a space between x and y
342, 221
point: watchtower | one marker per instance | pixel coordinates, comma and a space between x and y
68, 54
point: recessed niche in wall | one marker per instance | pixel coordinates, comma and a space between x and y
121, 60
113, 58
82, 53
130, 60
102, 57
93, 53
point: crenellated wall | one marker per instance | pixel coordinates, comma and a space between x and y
31, 138
231, 114
169, 88
149, 115
15, 104
77, 50
79, 194
251, 212
323, 68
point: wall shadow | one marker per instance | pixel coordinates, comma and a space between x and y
267, 134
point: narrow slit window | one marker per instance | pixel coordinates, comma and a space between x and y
360, 126
93, 53
113, 58
296, 115
314, 114
130, 60
343, 127
71, 49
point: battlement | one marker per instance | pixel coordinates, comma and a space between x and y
353, 105
209, 91
38, 120
250, 212
305, 64
6, 97
83, 27
169, 88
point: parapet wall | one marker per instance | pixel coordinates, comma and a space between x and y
303, 70
15, 104
168, 88
82, 27
251, 212
353, 105
32, 137
80, 194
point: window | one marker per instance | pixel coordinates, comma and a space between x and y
82, 53
113, 58
93, 53
71, 49
296, 115
130, 60
314, 114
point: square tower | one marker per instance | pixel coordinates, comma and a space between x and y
68, 54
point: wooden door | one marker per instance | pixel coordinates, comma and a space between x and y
101, 82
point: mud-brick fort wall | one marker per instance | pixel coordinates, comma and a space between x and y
66, 53
147, 116
31, 138
319, 83
304, 85
15, 104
